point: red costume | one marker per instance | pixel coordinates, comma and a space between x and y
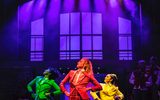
80, 85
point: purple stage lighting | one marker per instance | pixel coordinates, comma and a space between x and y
113, 3
131, 6
68, 5
84, 5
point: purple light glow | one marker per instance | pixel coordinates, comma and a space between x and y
68, 5
131, 6
110, 10
113, 3
84, 5
25, 12
39, 9
100, 6
53, 12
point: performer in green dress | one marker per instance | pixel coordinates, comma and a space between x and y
45, 86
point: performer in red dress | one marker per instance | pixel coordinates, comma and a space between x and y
79, 80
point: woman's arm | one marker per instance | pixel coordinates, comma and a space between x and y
30, 84
94, 95
96, 86
56, 87
119, 95
66, 79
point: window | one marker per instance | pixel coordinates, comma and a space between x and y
125, 39
80, 35
37, 40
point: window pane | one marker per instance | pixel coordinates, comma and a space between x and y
124, 26
37, 27
64, 55
33, 44
81, 26
97, 42
129, 43
37, 40
130, 58
123, 43
86, 23
86, 54
97, 55
75, 43
75, 23
64, 23
86, 42
97, 23
125, 55
64, 43
39, 44
36, 56
98, 58
75, 55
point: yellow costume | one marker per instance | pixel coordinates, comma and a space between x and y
108, 92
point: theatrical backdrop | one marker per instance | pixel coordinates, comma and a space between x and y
37, 34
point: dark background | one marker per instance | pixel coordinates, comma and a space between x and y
16, 70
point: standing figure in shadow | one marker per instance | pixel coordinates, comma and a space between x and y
79, 80
45, 86
155, 71
141, 80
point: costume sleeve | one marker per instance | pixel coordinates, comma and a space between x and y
30, 84
56, 87
66, 79
112, 90
119, 94
96, 86
94, 95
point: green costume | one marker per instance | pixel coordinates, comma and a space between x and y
43, 86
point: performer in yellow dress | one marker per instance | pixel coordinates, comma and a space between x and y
109, 90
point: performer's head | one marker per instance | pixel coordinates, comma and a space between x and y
85, 64
141, 62
50, 73
153, 60
111, 78
141, 65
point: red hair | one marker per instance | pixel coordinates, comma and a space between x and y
88, 68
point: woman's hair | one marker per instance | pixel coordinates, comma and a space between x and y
88, 66
153, 60
114, 79
54, 73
